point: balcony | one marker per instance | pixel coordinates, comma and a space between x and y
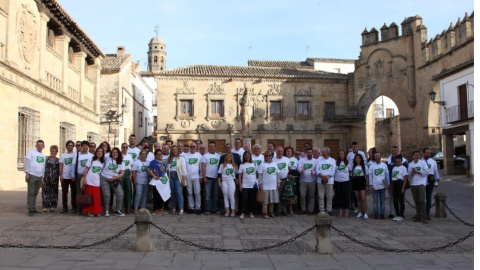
333, 113
459, 113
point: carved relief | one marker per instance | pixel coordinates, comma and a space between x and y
185, 89
185, 123
275, 125
216, 89
27, 33
274, 89
303, 92
379, 70
216, 124
303, 124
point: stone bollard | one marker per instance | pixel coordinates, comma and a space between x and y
143, 243
323, 222
440, 205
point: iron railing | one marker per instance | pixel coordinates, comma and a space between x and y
459, 112
344, 113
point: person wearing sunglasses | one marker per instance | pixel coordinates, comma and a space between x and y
269, 181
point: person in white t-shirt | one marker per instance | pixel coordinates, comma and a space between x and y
359, 184
325, 180
127, 179
238, 147
140, 180
342, 181
67, 177
307, 169
399, 183
91, 179
283, 168
110, 178
34, 167
247, 175
417, 173
432, 179
193, 161
133, 150
269, 181
227, 183
210, 162
379, 179
80, 162
177, 174
257, 156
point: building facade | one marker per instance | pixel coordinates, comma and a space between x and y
49, 74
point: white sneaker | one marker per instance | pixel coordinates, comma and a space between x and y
360, 215
399, 218
119, 213
356, 210
181, 212
365, 216
107, 214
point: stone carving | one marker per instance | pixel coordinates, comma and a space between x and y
216, 89
275, 125
185, 89
379, 71
303, 92
185, 123
27, 33
246, 111
274, 89
216, 123
303, 124
168, 126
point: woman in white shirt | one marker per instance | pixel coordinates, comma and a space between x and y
292, 161
269, 181
110, 178
227, 183
342, 177
177, 168
360, 180
247, 175
91, 182
140, 180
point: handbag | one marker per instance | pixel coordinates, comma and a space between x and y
261, 196
431, 179
288, 191
84, 198
407, 185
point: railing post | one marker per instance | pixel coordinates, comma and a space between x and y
440, 205
143, 220
323, 222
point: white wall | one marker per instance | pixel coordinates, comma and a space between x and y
144, 97
335, 67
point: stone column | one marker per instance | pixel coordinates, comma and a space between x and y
448, 152
143, 243
323, 222
440, 205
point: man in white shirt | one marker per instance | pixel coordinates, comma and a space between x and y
81, 159
238, 148
326, 176
417, 173
282, 164
432, 179
351, 155
307, 169
257, 156
67, 176
133, 150
379, 180
210, 162
193, 161
271, 147
34, 167
391, 164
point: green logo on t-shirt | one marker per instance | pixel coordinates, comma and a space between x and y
192, 161
164, 179
83, 162
292, 163
395, 173
307, 166
143, 169
96, 169
164, 160
281, 166
357, 172
258, 161
271, 170
429, 165
228, 171
341, 167
418, 168
378, 172
213, 161
326, 166
112, 167
134, 155
173, 164
40, 159
250, 170
126, 162
68, 161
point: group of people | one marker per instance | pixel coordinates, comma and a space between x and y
278, 179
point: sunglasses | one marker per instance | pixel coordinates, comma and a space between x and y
78, 145
268, 155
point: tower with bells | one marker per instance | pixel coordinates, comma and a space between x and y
157, 60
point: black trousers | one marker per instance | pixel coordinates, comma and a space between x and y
158, 202
73, 193
398, 198
248, 200
343, 190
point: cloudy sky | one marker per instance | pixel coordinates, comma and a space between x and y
228, 32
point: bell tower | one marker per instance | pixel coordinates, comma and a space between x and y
157, 60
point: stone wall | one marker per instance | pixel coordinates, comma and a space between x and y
387, 134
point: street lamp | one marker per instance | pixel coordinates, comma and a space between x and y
112, 117
432, 95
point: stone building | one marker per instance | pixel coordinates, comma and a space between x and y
49, 73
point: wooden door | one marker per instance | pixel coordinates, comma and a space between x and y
462, 102
334, 146
300, 145
220, 146
277, 143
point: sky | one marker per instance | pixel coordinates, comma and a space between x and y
228, 32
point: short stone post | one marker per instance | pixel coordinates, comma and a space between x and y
440, 205
323, 222
143, 219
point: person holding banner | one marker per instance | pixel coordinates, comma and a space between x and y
158, 170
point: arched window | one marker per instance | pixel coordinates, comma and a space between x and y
155, 60
161, 59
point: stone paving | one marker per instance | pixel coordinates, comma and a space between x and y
16, 227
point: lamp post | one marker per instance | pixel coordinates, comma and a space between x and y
112, 117
433, 95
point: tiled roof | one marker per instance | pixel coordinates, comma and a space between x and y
249, 71
114, 62
331, 60
289, 64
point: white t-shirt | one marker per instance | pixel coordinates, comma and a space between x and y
258, 159
140, 169
165, 158
94, 170
150, 156
378, 175
326, 167
282, 164
68, 161
211, 161
292, 163
240, 152
270, 175
249, 176
111, 168
37, 163
82, 161
134, 152
193, 164
228, 173
173, 165
358, 171
310, 167
351, 157
398, 172
127, 161
432, 167
342, 173
418, 178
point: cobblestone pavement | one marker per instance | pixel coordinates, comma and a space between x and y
16, 227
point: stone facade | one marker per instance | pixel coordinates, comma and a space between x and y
49, 69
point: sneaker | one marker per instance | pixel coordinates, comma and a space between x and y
89, 215
207, 213
360, 215
365, 216
191, 211
181, 212
391, 216
107, 214
174, 211
232, 214
36, 212
399, 218
119, 213
251, 215
44, 210
242, 216
198, 212
395, 218
355, 210
30, 213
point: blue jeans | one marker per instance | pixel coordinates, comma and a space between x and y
177, 191
142, 191
379, 197
211, 194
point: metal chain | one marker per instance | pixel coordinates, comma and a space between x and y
122, 232
459, 219
451, 244
247, 250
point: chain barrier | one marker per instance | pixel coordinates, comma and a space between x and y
106, 240
451, 244
459, 219
247, 250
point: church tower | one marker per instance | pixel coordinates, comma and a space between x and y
156, 55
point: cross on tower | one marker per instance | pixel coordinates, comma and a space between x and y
156, 30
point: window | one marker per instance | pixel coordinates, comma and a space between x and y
390, 112
155, 59
303, 109
276, 109
28, 132
186, 108
329, 110
217, 108
67, 132
140, 119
